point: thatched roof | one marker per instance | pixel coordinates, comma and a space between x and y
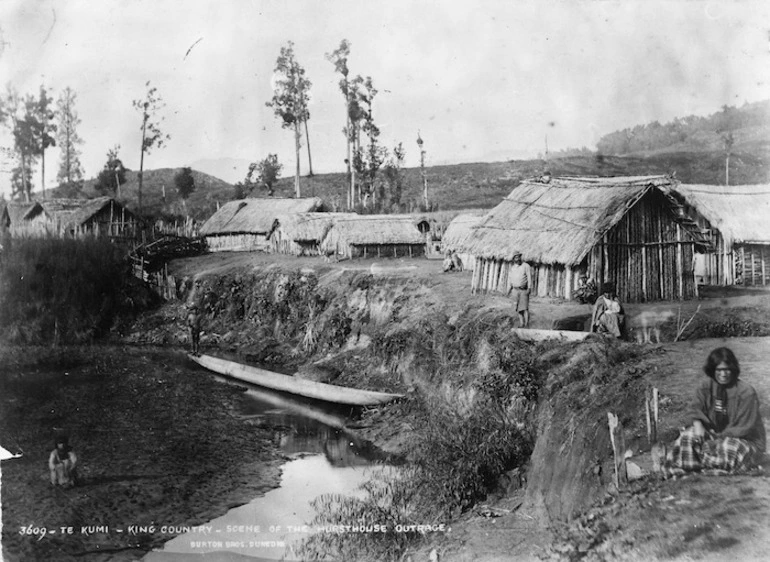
557, 221
73, 213
739, 212
255, 215
18, 212
308, 227
373, 230
460, 228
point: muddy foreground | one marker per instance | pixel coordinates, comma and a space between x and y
161, 448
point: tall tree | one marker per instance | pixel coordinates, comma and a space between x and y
42, 117
70, 174
291, 96
152, 137
112, 175
394, 175
368, 158
268, 171
185, 184
339, 58
25, 142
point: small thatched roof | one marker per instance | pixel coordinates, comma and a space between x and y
308, 227
73, 213
557, 221
373, 230
460, 228
18, 212
739, 212
255, 215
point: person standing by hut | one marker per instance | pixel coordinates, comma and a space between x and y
520, 283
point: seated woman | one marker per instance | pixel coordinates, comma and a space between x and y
608, 316
727, 432
62, 463
586, 290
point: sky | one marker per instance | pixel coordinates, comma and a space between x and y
479, 80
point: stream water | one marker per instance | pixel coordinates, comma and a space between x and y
324, 459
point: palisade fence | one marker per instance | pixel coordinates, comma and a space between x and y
150, 260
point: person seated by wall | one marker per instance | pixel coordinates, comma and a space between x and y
62, 463
586, 290
452, 261
608, 314
727, 433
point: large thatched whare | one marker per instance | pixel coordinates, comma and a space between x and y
244, 224
735, 220
300, 234
375, 236
625, 230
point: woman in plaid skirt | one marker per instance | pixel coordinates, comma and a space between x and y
727, 433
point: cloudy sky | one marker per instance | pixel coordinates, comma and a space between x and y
480, 80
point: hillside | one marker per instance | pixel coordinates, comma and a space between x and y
458, 186
744, 129
209, 191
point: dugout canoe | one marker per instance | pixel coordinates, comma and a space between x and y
530, 334
294, 385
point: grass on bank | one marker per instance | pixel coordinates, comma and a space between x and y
58, 290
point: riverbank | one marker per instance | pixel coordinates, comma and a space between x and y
390, 325
161, 448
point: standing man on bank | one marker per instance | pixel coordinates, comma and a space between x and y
520, 283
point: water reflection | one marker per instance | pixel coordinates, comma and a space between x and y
330, 461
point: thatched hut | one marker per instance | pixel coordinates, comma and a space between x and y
300, 234
371, 236
735, 220
459, 229
627, 230
103, 216
244, 224
25, 219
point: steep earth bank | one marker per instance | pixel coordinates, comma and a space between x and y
403, 326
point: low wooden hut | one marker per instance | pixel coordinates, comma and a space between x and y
459, 229
244, 224
25, 219
374, 236
300, 234
735, 220
627, 230
103, 216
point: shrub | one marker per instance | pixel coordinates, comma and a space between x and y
62, 290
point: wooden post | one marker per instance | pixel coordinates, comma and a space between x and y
743, 265
618, 451
651, 411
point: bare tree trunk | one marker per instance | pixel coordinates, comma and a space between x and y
296, 151
727, 170
42, 169
141, 163
309, 159
24, 182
